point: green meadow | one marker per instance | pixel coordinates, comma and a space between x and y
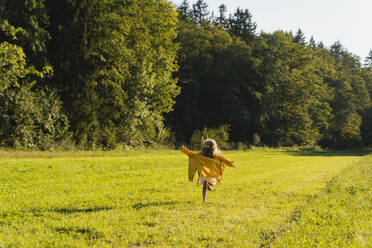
136, 199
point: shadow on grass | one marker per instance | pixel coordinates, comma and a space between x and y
141, 205
81, 210
77, 232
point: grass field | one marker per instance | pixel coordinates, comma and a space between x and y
273, 199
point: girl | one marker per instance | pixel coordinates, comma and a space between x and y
209, 163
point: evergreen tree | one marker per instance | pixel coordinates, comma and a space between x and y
241, 25
368, 60
312, 43
300, 37
221, 19
200, 11
184, 11
337, 50
320, 45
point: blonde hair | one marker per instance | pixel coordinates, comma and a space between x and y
210, 148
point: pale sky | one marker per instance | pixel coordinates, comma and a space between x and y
349, 21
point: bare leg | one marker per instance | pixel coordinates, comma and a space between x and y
205, 186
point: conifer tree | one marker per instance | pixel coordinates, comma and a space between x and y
184, 11
337, 50
200, 11
221, 19
241, 25
320, 45
368, 60
300, 37
312, 43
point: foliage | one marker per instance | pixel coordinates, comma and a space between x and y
351, 98
28, 119
294, 98
241, 25
125, 69
31, 117
24, 23
366, 128
200, 11
12, 65
32, 120
116, 71
300, 37
220, 135
216, 87
273, 87
368, 60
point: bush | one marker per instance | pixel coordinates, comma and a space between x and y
31, 120
240, 146
220, 135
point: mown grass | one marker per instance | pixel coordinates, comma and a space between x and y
340, 217
145, 200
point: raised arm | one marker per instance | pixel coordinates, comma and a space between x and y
187, 151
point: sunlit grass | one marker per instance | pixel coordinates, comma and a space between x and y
144, 199
340, 217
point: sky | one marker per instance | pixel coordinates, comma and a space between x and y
347, 21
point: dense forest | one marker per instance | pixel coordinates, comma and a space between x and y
91, 74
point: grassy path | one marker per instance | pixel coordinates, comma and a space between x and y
340, 217
143, 200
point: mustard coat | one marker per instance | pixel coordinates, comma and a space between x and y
208, 167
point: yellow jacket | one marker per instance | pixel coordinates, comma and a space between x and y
208, 167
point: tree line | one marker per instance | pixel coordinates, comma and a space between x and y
103, 73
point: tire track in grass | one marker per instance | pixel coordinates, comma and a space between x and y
337, 217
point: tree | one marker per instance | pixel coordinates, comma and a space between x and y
368, 60
184, 11
320, 45
221, 19
31, 116
312, 43
294, 100
350, 99
25, 24
114, 63
241, 25
199, 45
366, 128
337, 50
218, 83
200, 11
299, 37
